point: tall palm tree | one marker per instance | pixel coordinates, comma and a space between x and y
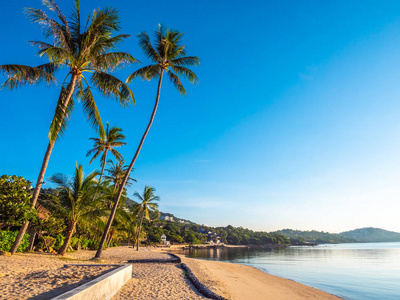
112, 138
76, 200
88, 49
147, 204
168, 57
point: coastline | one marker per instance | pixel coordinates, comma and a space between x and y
26, 275
236, 281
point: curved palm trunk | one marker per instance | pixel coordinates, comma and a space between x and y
70, 233
121, 187
138, 236
24, 227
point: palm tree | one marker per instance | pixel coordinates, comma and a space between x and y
88, 49
117, 173
145, 206
168, 57
76, 200
112, 138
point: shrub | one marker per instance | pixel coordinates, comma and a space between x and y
59, 241
47, 242
7, 239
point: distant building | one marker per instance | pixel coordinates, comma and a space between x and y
167, 218
164, 240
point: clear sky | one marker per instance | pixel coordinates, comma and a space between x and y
295, 122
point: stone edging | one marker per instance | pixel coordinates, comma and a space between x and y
103, 287
203, 289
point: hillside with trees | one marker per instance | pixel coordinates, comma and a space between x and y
299, 237
370, 234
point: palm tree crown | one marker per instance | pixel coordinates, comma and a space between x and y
112, 138
90, 51
146, 205
76, 199
168, 56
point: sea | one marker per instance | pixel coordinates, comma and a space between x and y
358, 271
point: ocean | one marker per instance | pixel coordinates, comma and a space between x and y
357, 271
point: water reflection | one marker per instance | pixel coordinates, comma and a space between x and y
352, 271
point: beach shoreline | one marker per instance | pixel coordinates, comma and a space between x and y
153, 280
237, 281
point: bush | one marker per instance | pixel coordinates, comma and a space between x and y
59, 241
7, 239
47, 242
74, 243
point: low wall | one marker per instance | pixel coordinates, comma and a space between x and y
103, 287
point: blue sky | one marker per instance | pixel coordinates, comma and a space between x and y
294, 123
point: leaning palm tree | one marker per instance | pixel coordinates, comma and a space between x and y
112, 138
76, 200
145, 206
81, 50
168, 57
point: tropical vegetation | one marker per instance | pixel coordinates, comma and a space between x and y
169, 57
80, 49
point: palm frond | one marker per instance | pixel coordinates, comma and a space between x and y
147, 73
145, 44
111, 86
20, 75
90, 108
186, 61
61, 116
177, 83
110, 61
185, 72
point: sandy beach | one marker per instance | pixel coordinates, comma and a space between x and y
25, 276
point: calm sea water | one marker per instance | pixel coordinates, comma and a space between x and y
351, 271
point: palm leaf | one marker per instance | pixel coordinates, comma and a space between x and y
111, 86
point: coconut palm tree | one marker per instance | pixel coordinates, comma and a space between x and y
142, 209
76, 200
168, 57
112, 138
117, 173
87, 49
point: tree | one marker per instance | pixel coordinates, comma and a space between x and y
79, 52
146, 205
117, 173
76, 200
112, 138
15, 208
168, 57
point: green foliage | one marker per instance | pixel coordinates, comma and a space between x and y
7, 239
15, 207
319, 237
47, 242
75, 241
59, 241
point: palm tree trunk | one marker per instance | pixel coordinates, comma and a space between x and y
121, 187
104, 165
24, 227
70, 233
140, 228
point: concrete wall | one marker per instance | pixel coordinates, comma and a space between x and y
103, 287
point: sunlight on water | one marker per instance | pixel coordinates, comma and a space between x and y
351, 271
